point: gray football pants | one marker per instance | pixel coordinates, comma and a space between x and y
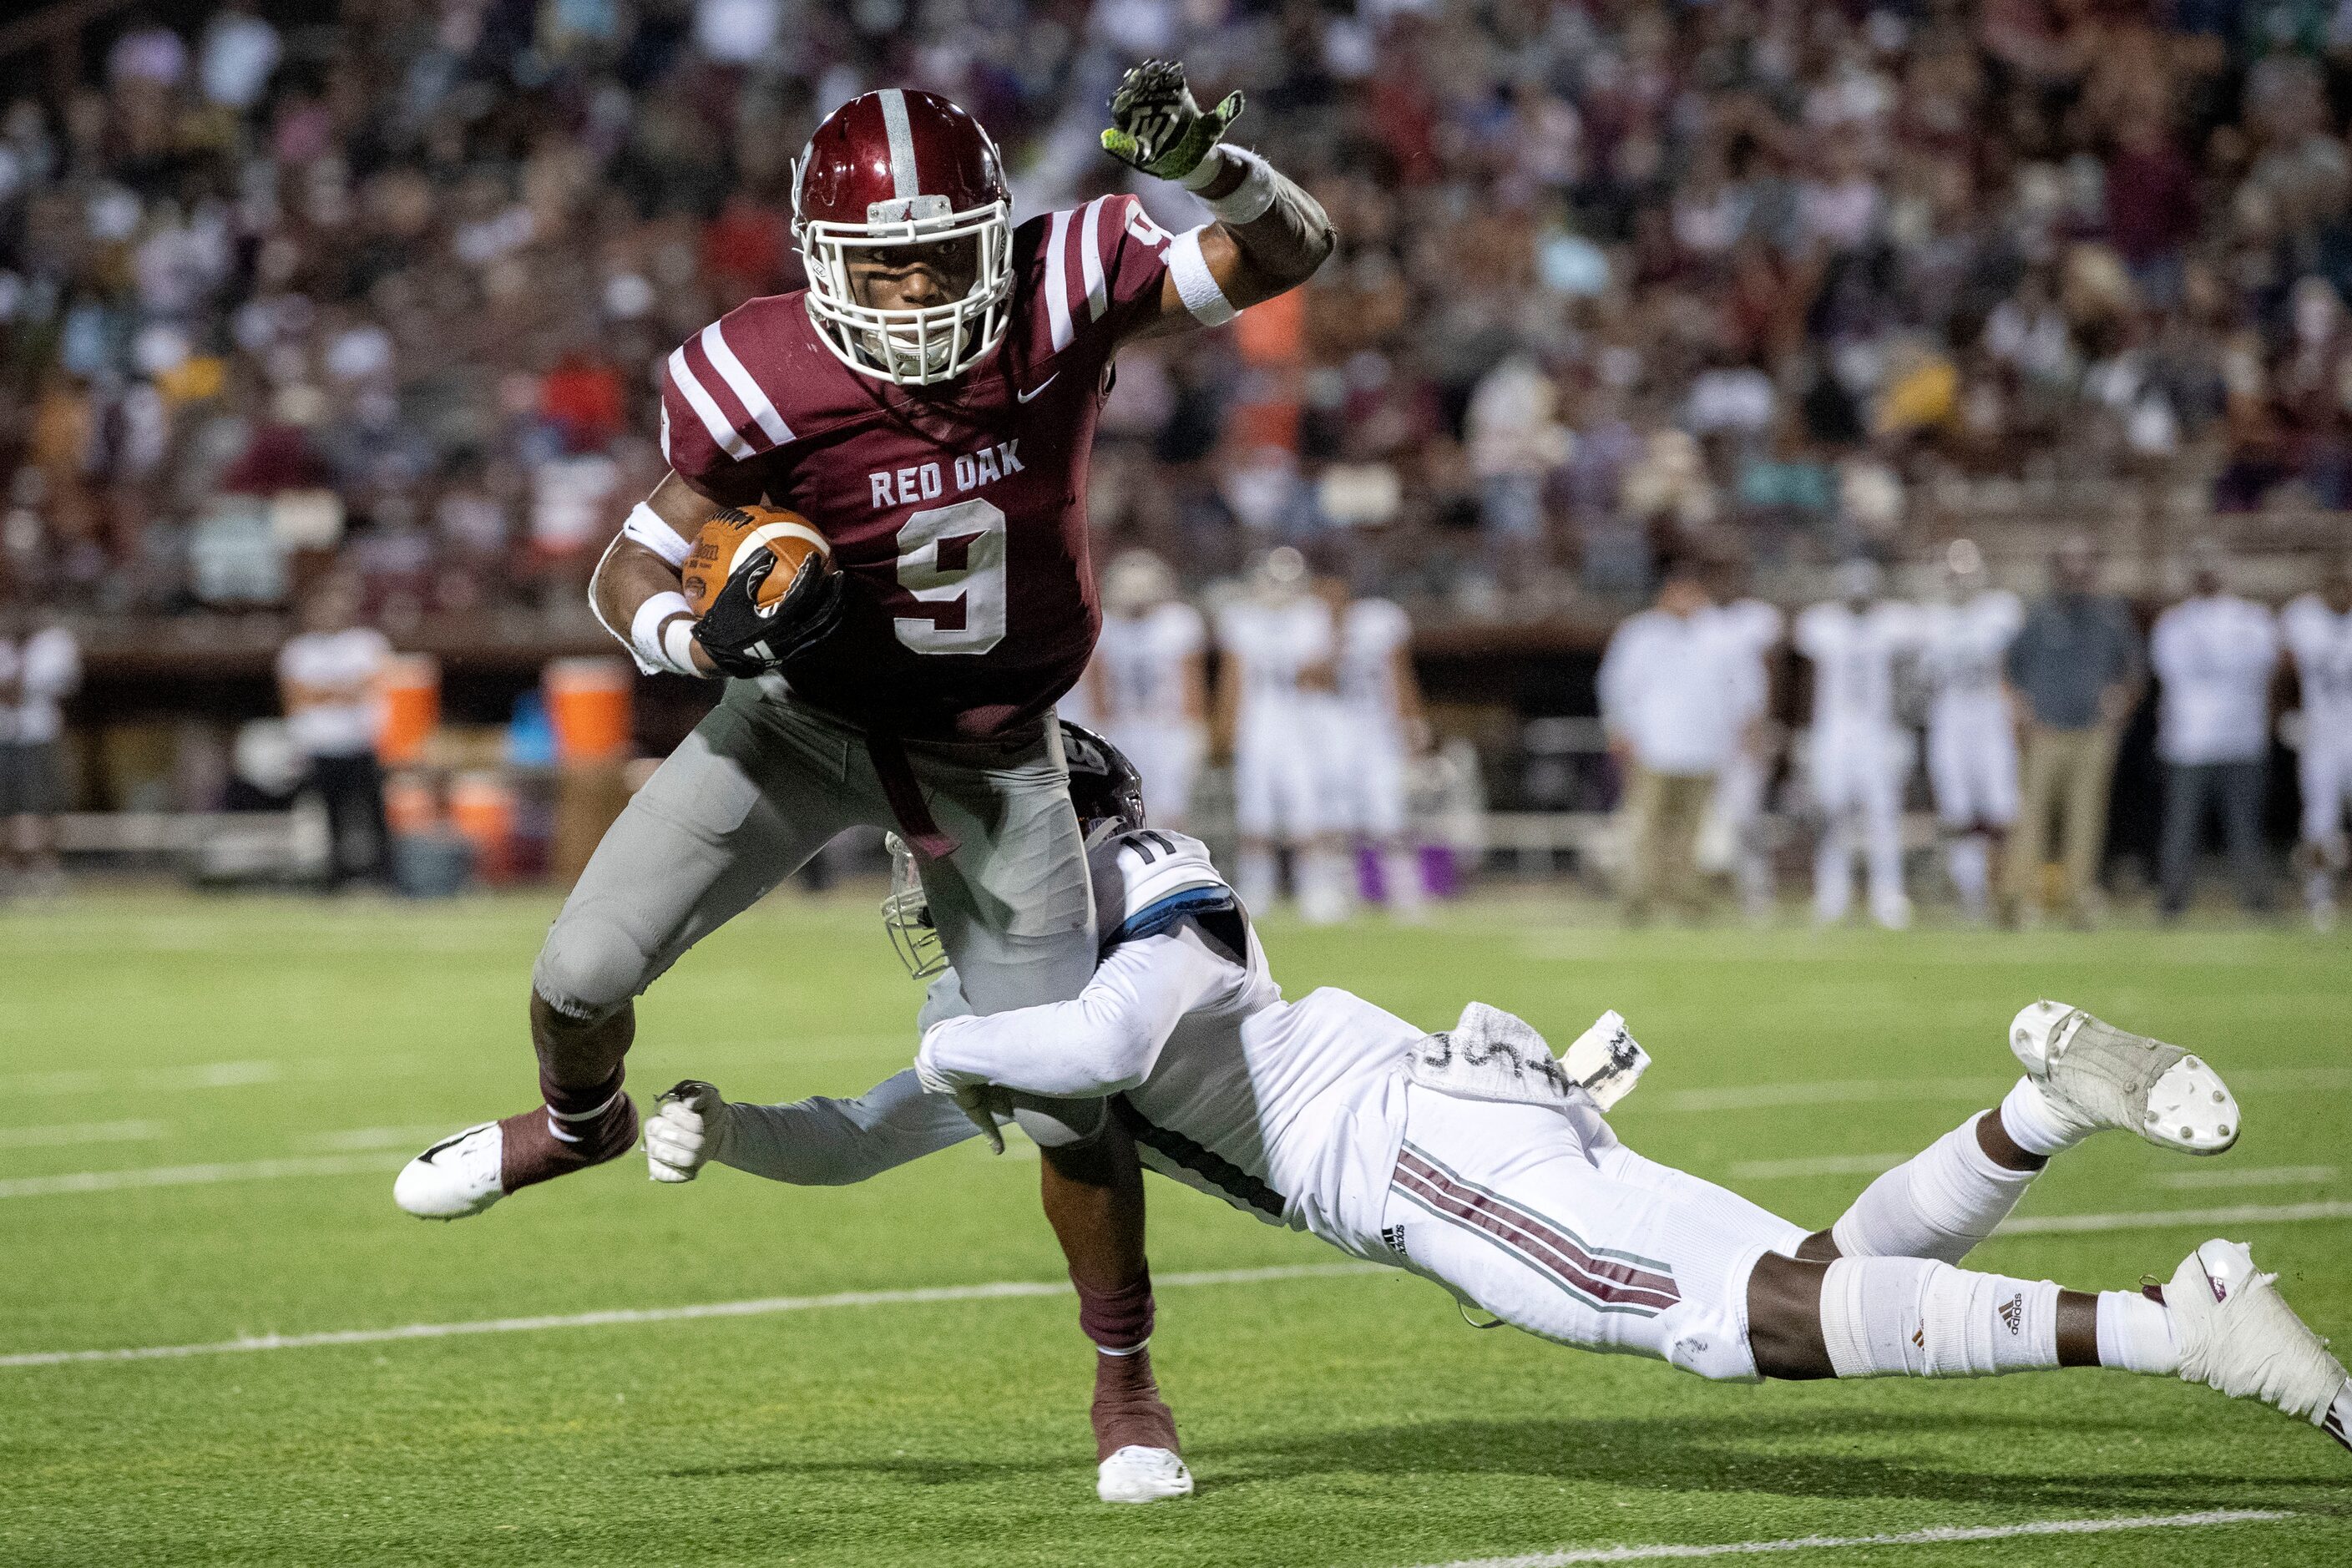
760, 786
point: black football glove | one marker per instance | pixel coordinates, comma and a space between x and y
744, 640
1157, 127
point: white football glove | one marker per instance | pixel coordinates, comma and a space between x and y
687, 1132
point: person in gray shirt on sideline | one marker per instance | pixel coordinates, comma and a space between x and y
2076, 672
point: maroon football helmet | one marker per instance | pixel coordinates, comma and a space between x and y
895, 168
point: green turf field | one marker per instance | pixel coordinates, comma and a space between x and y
260, 1068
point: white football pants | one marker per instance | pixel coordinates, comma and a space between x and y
1554, 1227
1857, 777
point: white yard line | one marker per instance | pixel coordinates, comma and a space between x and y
1938, 1535
2250, 1176
2249, 1213
190, 1175
59, 1135
761, 1306
1819, 1165
2153, 1219
1862, 1090
1831, 1091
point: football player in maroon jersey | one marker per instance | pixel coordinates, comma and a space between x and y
929, 402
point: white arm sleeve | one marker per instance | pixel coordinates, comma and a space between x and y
826, 1143
1106, 1040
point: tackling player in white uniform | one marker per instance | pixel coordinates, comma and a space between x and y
1379, 730
1971, 733
1859, 755
1274, 682
1149, 683
2319, 632
1476, 1159
1745, 780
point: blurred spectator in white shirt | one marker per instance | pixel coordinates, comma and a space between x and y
1516, 442
238, 52
2214, 655
737, 32
331, 678
39, 667
1676, 687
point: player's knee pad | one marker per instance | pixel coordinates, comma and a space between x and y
590, 966
1897, 1317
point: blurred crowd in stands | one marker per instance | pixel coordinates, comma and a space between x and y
1616, 277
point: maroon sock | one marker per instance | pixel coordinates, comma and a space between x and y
575, 1129
1128, 1410
1116, 1320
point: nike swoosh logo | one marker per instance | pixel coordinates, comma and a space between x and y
449, 1142
1025, 396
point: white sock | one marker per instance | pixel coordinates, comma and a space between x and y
2337, 1422
1938, 1204
2037, 1125
1971, 862
2135, 1334
1400, 880
1914, 1317
1257, 882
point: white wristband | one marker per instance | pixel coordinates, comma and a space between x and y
1245, 203
645, 526
649, 633
1195, 284
678, 642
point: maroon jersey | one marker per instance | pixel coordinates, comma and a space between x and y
958, 509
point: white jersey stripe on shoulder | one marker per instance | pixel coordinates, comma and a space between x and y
1091, 261
903, 174
746, 391
729, 441
1195, 284
1057, 282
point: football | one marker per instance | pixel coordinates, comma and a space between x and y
731, 540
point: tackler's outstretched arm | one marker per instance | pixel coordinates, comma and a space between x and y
1103, 1042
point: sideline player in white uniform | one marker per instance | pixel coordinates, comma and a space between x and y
1972, 733
1476, 1159
1149, 681
2318, 633
1858, 754
1380, 729
1741, 785
1275, 682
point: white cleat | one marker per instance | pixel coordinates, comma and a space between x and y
2106, 1077
456, 1177
2239, 1335
1137, 1473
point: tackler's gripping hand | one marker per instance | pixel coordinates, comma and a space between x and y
745, 639
687, 1132
981, 1103
1156, 126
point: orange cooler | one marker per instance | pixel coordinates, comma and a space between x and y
588, 704
412, 708
482, 810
